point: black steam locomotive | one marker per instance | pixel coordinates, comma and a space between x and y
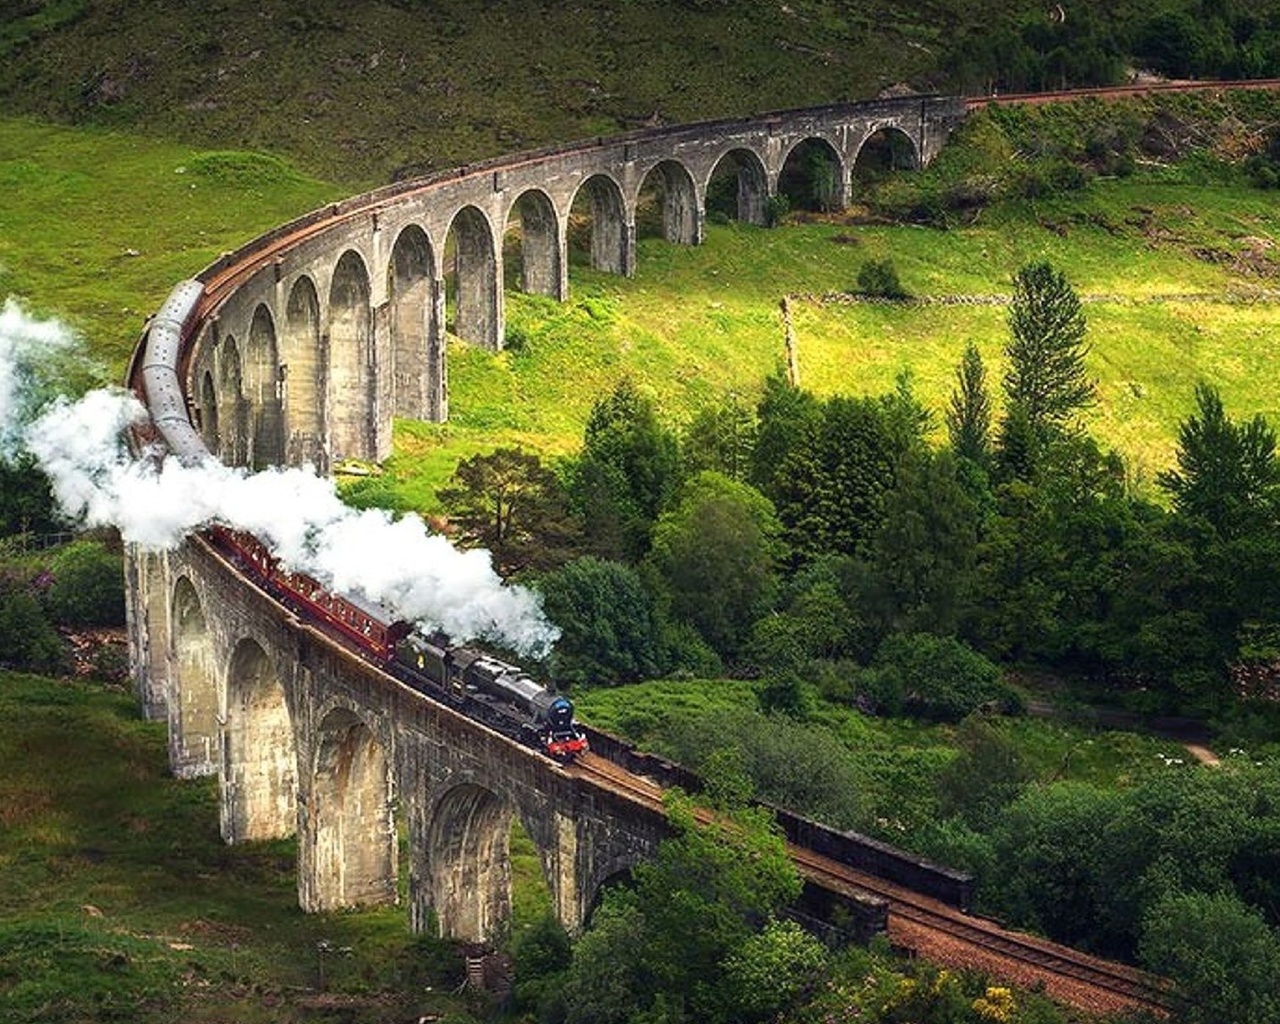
494, 692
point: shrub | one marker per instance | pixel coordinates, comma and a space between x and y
27, 638
940, 677
87, 587
542, 954
776, 209
879, 279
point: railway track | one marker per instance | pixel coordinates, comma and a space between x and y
1118, 92
941, 933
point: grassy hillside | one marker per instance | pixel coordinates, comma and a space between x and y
96, 226
120, 901
360, 93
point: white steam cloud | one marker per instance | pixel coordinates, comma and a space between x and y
28, 348
97, 481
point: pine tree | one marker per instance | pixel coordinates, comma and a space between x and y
1227, 474
969, 412
1046, 378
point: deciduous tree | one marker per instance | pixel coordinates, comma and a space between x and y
510, 503
1223, 956
608, 628
716, 554
660, 951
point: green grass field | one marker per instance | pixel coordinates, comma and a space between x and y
121, 902
1162, 299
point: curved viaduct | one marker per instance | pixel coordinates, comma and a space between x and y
304, 345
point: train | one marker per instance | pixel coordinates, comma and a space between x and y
464, 677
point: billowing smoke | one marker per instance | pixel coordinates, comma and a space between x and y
31, 351
97, 481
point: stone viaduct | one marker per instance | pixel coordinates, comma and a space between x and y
305, 344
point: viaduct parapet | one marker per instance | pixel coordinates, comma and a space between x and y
304, 345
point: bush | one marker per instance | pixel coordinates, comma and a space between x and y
776, 209
87, 587
609, 627
878, 691
940, 677
879, 279
27, 638
1050, 177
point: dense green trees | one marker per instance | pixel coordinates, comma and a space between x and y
797, 539
1233, 978
610, 631
697, 923
1176, 871
628, 469
1067, 45
714, 556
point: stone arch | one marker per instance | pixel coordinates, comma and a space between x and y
417, 339
599, 212
232, 407
618, 878
738, 188
469, 873
885, 149
813, 177
351, 362
670, 196
304, 373
262, 365
352, 828
531, 245
259, 770
193, 706
209, 412
477, 295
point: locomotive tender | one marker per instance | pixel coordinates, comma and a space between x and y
500, 695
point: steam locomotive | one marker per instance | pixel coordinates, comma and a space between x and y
498, 694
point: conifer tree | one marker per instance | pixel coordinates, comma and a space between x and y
969, 411
1046, 377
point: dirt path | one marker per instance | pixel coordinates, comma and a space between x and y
1170, 729
1202, 754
